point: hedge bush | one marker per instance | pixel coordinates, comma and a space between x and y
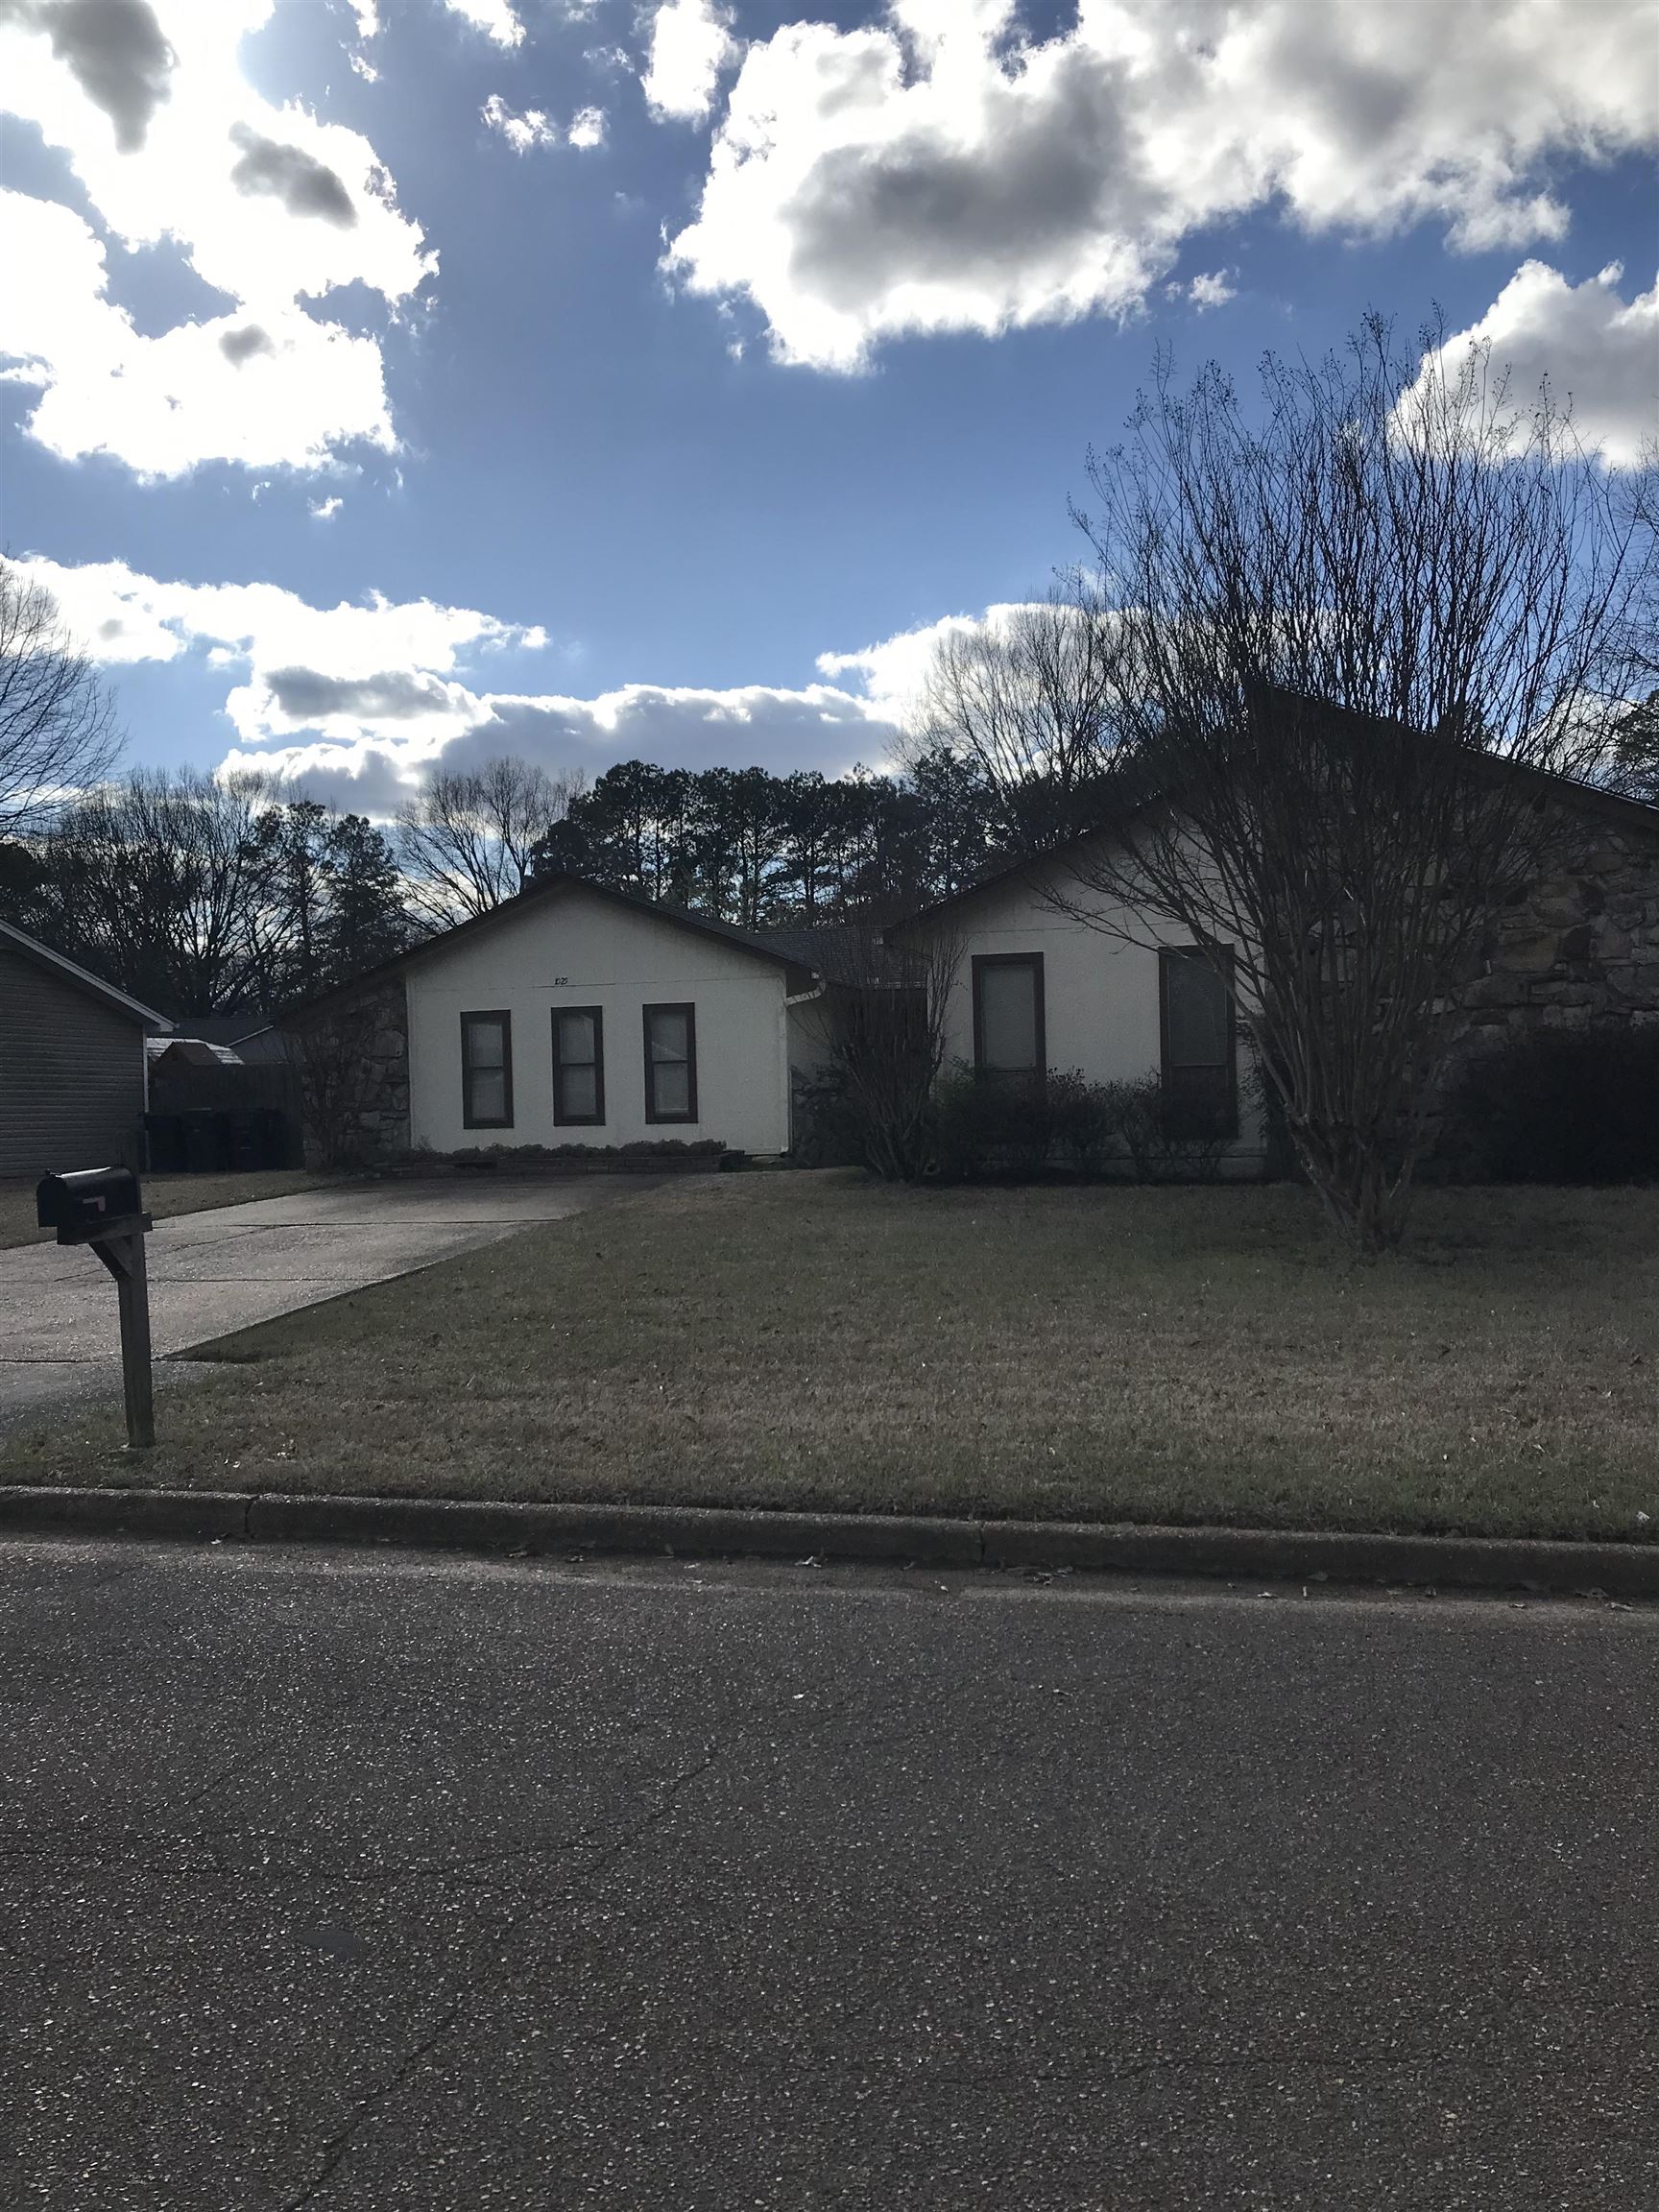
1559, 1106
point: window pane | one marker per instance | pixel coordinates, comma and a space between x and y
670, 1040
672, 1085
1196, 1009
581, 1086
486, 1044
576, 1039
1008, 1016
489, 1094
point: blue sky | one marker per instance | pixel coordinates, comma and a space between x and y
603, 366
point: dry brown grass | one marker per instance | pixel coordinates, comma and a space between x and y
808, 1341
163, 1195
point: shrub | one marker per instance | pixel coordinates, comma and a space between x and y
989, 1124
1558, 1106
1161, 1148
1082, 1121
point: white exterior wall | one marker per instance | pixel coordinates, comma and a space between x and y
582, 950
1100, 994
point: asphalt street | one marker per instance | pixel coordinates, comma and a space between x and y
365, 1880
223, 1269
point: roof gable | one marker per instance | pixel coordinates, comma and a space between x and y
30, 948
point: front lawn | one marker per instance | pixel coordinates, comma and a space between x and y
1112, 1354
163, 1195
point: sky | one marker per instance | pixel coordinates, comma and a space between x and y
396, 383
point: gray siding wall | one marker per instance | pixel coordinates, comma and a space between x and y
71, 1075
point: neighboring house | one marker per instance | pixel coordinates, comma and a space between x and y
1038, 989
570, 1015
72, 1063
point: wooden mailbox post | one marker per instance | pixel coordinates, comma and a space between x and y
103, 1206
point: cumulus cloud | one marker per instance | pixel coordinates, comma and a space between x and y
1211, 290
305, 186
691, 43
534, 128
325, 510
520, 132
1597, 350
938, 170
270, 207
114, 50
495, 19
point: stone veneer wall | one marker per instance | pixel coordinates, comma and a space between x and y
1583, 947
354, 1057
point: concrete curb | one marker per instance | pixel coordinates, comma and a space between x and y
483, 1524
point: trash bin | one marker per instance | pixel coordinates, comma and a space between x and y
164, 1143
206, 1142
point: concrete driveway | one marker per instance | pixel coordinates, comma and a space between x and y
386, 1883
213, 1273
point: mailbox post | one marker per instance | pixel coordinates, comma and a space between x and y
103, 1206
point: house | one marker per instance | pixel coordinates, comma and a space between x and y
1035, 987
570, 1015
73, 1084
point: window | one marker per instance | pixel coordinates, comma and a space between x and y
1008, 1023
670, 1064
578, 1065
1200, 1055
487, 1070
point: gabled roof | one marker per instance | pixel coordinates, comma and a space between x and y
544, 892
1615, 806
13, 940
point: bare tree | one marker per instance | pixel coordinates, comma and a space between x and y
58, 729
465, 843
887, 1047
1027, 703
1357, 641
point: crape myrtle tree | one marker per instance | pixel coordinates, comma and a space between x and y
58, 729
1353, 632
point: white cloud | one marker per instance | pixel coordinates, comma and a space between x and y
269, 206
360, 700
1597, 350
938, 171
534, 128
520, 132
691, 43
1211, 290
893, 672
493, 18
325, 510
280, 390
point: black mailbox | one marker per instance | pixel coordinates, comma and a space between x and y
89, 1203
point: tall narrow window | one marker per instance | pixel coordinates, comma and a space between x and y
486, 1069
1008, 1014
1200, 1063
578, 1065
670, 1064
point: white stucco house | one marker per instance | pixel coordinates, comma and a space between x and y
1036, 989
575, 1015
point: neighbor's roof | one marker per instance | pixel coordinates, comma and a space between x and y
219, 1029
850, 952
42, 955
544, 892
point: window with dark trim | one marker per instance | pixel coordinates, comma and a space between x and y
486, 1069
671, 1063
578, 1067
1009, 1024
1200, 1045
